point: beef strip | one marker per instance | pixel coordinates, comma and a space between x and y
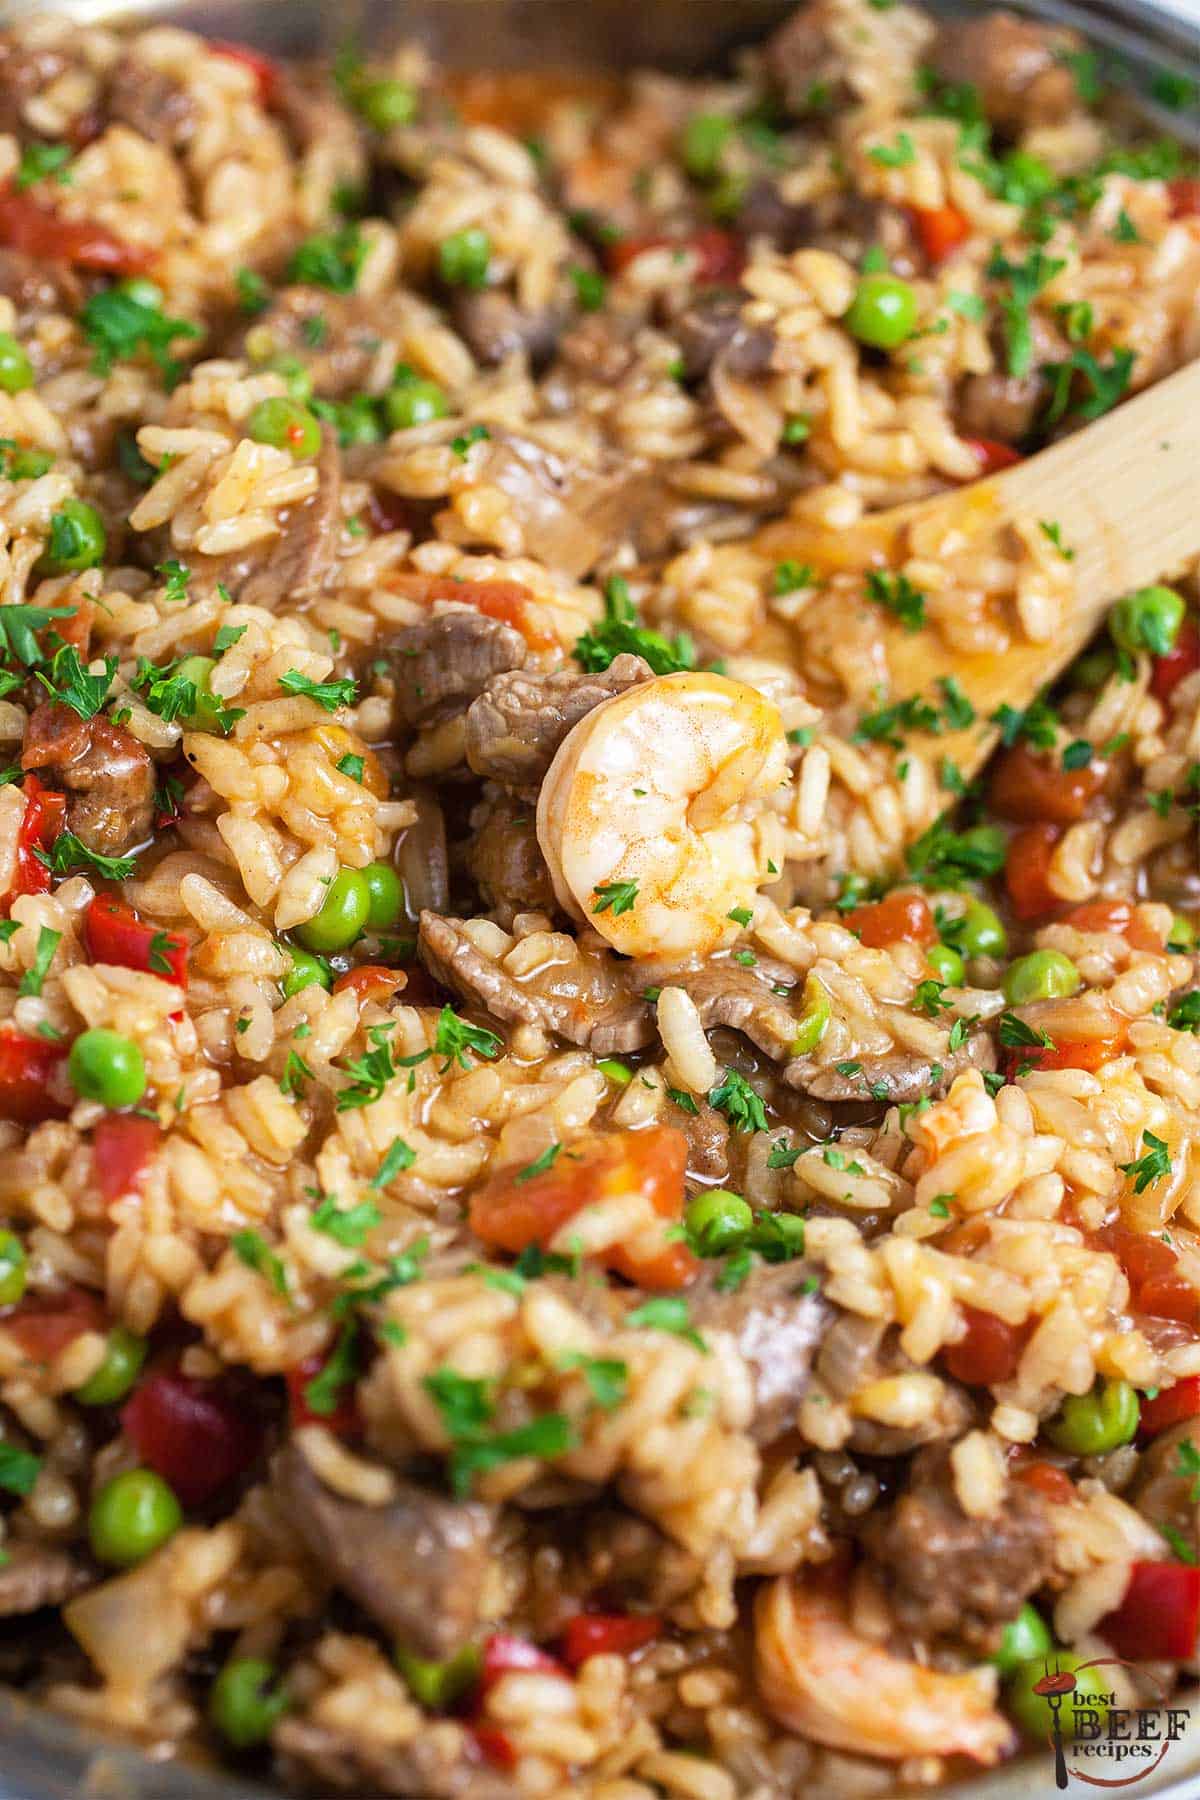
765, 213
777, 1323
495, 326
504, 859
948, 1573
905, 1077
294, 565
107, 774
591, 1000
418, 1565
1016, 65
320, 1760
726, 993
1001, 407
518, 722
152, 103
711, 325
443, 663
625, 1558
350, 331
35, 1576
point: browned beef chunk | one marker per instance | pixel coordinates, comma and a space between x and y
1016, 65
998, 406
24, 72
891, 1079
495, 326
590, 1000
35, 1576
855, 1351
777, 1318
107, 774
516, 725
503, 856
948, 1573
765, 213
1164, 1488
443, 663
627, 1559
711, 325
728, 994
318, 1760
313, 115
151, 103
418, 1565
36, 286
294, 565
801, 62
599, 347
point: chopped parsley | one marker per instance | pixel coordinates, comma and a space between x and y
400, 1156
897, 593
667, 1312
930, 998
252, 291
1100, 386
1024, 281
323, 1393
475, 434
369, 1074
350, 1228
551, 1435
619, 631
251, 1248
615, 896
19, 1469
540, 1164
69, 852
738, 1101
327, 694
351, 765
47, 943
900, 155
176, 576
40, 161
1185, 1014
606, 1376
457, 1041
1150, 1167
1051, 529
118, 326
1015, 1034
331, 259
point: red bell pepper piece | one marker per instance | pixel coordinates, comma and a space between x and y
992, 455
1182, 659
1159, 1616
495, 1746
1026, 871
24, 225
1184, 196
989, 1350
26, 1065
196, 1434
45, 814
1171, 1406
113, 933
941, 229
123, 1148
607, 1634
721, 255
266, 72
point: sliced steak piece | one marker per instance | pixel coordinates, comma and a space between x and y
600, 347
152, 103
107, 774
893, 1079
1017, 66
727, 994
35, 1576
711, 325
418, 1565
294, 566
318, 1760
777, 1320
589, 1001
495, 326
948, 1573
1001, 407
504, 858
443, 663
516, 725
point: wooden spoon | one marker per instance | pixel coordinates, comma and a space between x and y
1125, 493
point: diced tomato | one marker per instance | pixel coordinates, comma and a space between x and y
1181, 660
897, 918
265, 71
370, 981
989, 1350
992, 455
506, 601
1159, 1616
941, 229
504, 1653
1169, 1297
495, 1746
607, 1634
1184, 196
45, 813
512, 1213
1117, 917
1151, 1266
24, 225
1027, 869
123, 1147
721, 254
113, 933
345, 1421
26, 1065
1070, 1053
1170, 1406
197, 1434
44, 1324
1029, 785
1048, 1480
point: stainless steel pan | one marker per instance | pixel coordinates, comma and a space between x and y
42, 1757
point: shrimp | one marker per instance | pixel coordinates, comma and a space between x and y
819, 1678
653, 817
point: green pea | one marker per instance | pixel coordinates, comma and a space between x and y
946, 964
1092, 1424
343, 915
716, 1220
883, 312
285, 424
703, 141
1093, 668
355, 420
384, 104
1024, 1638
439, 1684
980, 932
1182, 935
306, 971
1147, 620
987, 843
414, 403
12, 1268
1031, 1712
619, 1073
296, 375
107, 1067
464, 258
123, 1358
142, 291
386, 895
244, 1703
1042, 975
16, 370
77, 539
814, 1017
131, 1516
